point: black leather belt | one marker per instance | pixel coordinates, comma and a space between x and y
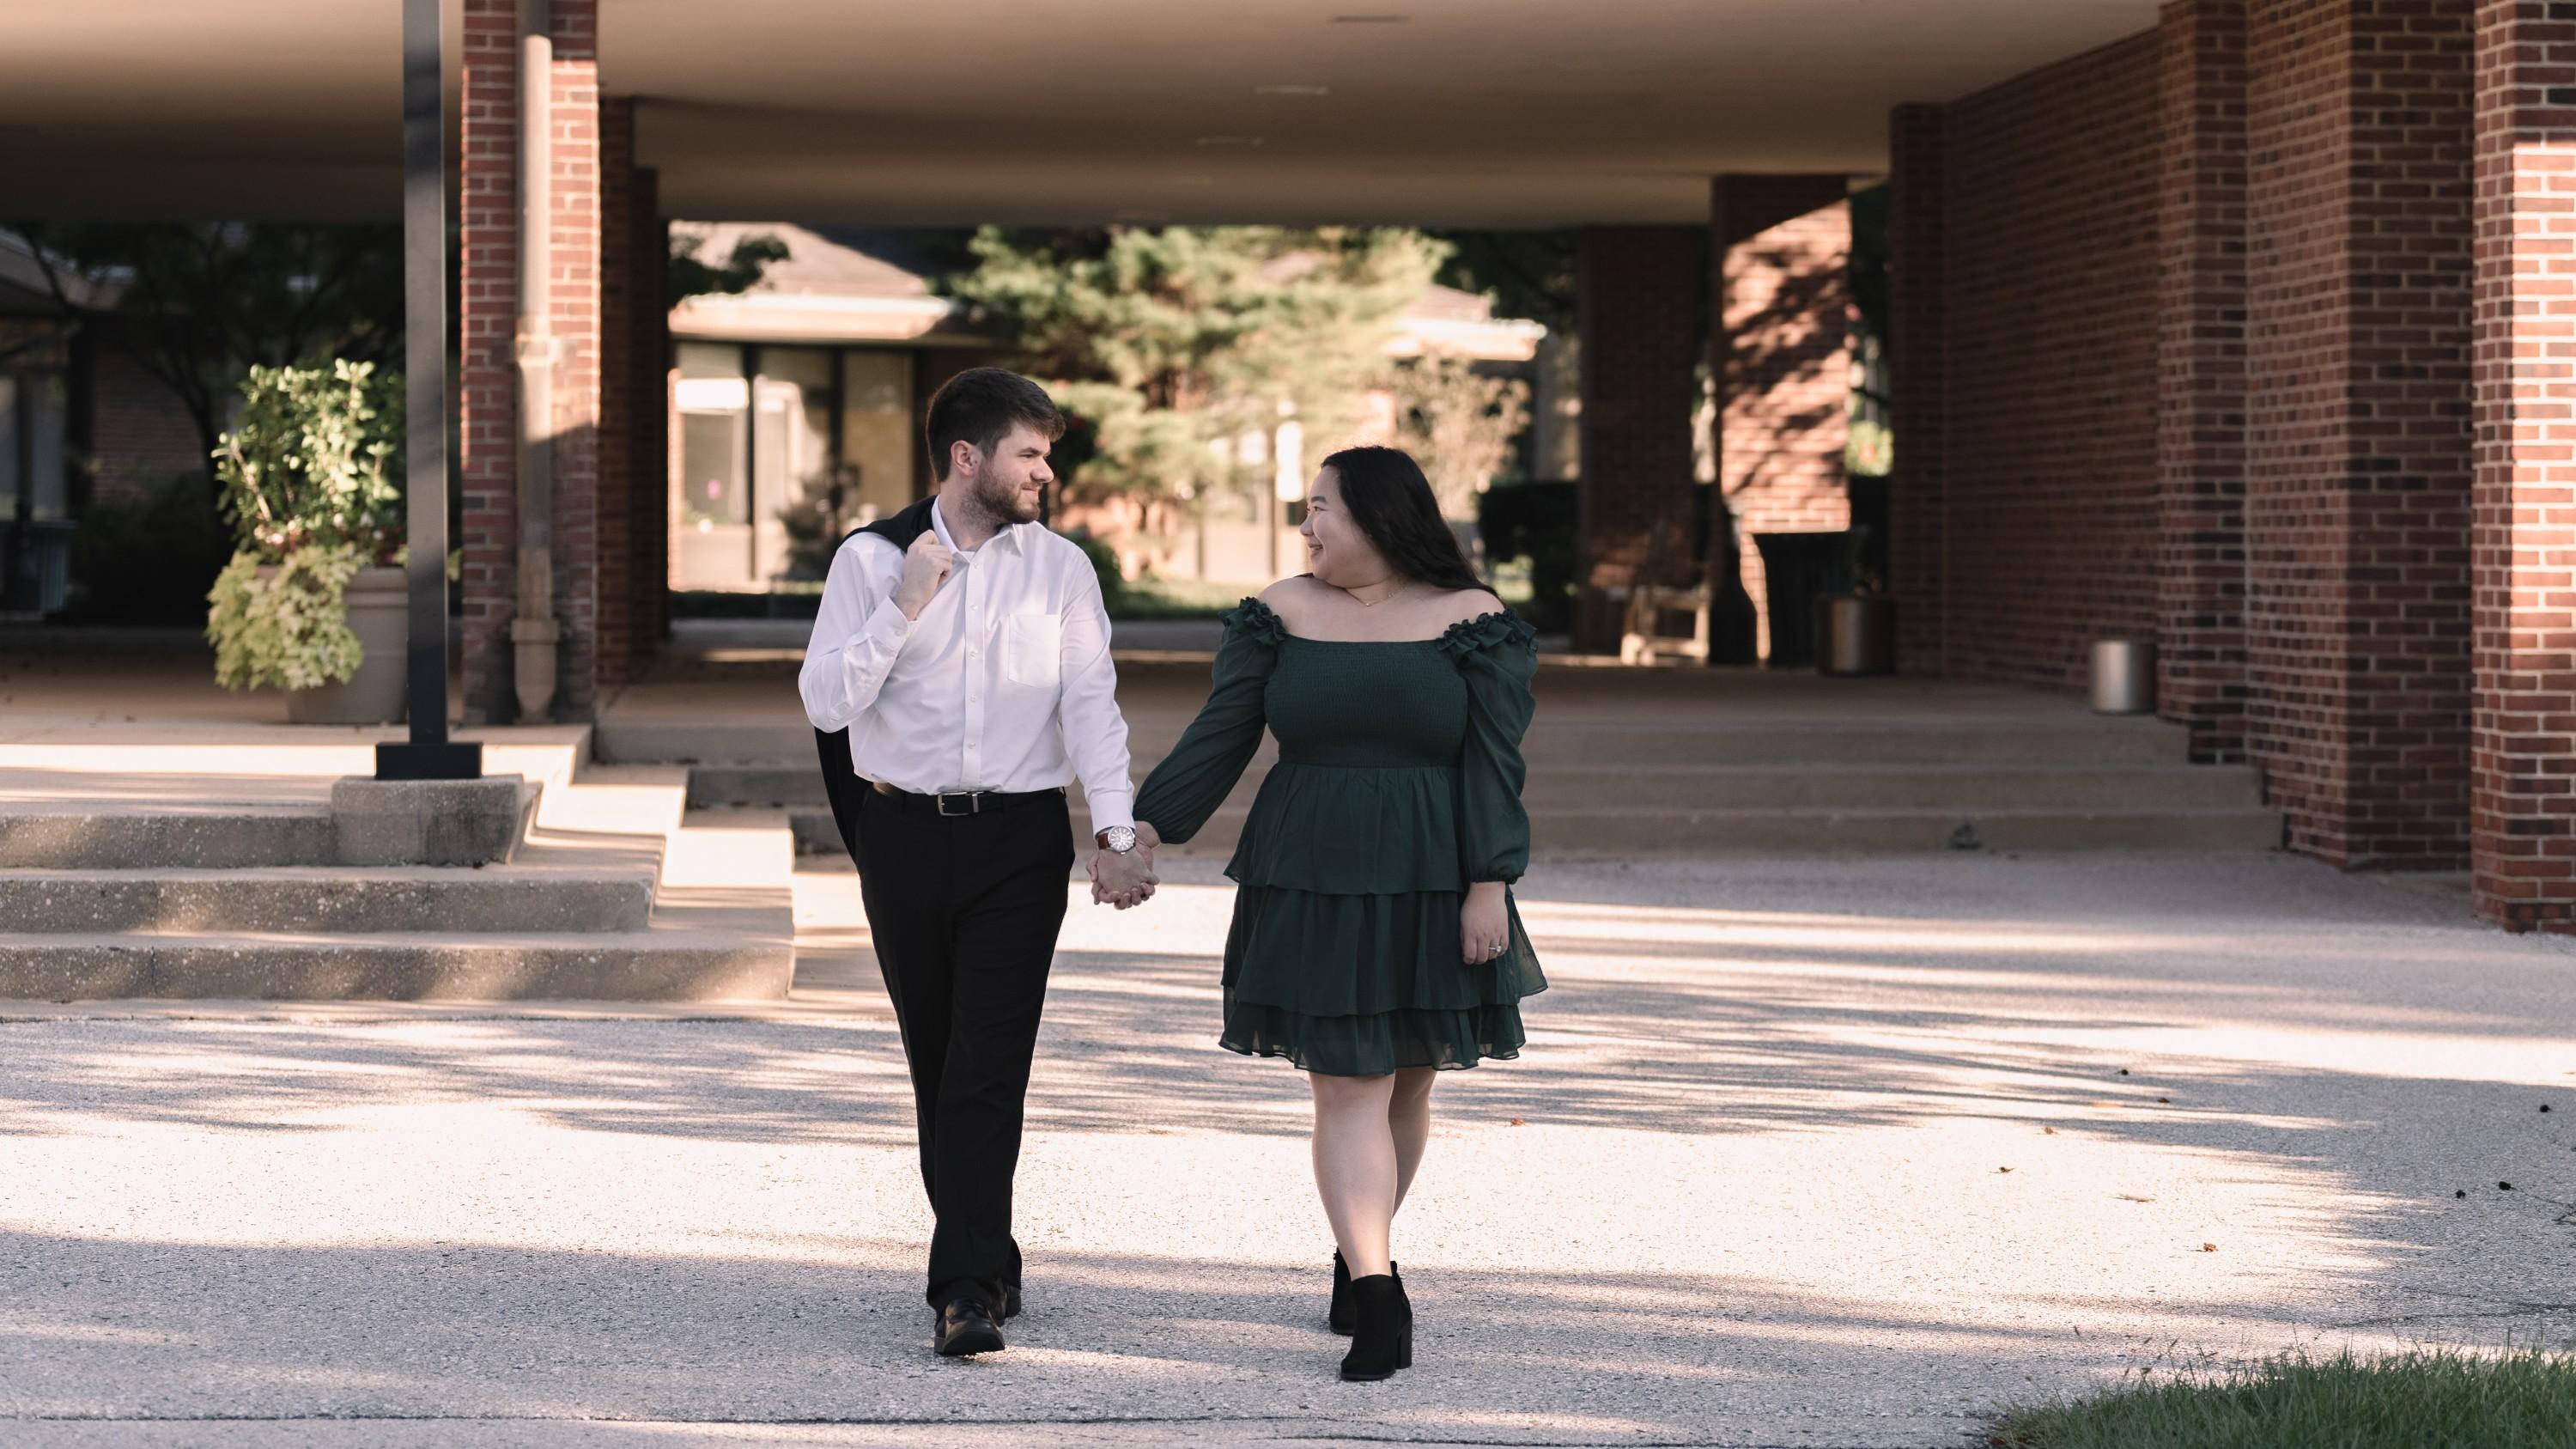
958, 803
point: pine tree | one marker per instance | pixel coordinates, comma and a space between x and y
1170, 345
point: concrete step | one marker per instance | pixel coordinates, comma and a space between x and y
327, 899
1573, 739
656, 965
1713, 787
163, 835
1591, 834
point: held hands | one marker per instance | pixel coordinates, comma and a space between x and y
1484, 923
1125, 880
926, 565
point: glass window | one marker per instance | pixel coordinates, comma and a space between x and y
713, 399
792, 459
876, 432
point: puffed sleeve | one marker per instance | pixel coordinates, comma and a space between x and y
1186, 788
1497, 655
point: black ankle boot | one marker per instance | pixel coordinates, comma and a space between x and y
1381, 1329
1339, 1318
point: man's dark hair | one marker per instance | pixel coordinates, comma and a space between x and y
979, 405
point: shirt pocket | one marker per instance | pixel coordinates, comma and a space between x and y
1033, 650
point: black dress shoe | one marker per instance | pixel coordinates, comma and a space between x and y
966, 1326
1338, 1317
1381, 1329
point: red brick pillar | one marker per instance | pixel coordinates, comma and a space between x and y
2522, 810
2357, 455
1780, 347
1642, 305
634, 337
1918, 545
2200, 375
487, 464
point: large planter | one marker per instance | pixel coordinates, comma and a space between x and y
379, 615
1856, 634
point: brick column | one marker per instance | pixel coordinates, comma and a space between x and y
2522, 802
1642, 303
1918, 547
1780, 348
2200, 370
488, 328
2357, 457
633, 491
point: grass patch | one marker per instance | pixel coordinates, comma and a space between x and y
2428, 1399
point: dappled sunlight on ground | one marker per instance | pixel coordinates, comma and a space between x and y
1834, 1152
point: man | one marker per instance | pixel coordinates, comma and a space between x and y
958, 677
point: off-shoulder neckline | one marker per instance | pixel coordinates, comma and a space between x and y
1504, 617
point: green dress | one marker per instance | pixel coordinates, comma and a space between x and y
1398, 784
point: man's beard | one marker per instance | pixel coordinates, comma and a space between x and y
1004, 504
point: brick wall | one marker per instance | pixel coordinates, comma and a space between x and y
1780, 346
488, 323
634, 328
2200, 382
1642, 306
2522, 802
141, 435
1918, 380
2357, 132
2049, 441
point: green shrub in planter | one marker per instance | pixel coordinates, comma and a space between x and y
310, 489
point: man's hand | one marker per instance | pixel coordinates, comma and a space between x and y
1122, 880
926, 565
1484, 923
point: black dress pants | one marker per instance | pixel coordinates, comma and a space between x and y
965, 910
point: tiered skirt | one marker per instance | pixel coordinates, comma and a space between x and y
1344, 952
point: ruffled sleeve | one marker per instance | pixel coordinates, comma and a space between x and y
1194, 779
1497, 654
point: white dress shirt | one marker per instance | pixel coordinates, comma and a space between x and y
1003, 683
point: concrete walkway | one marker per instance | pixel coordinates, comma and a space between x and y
1802, 1153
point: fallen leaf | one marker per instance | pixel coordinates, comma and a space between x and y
2051, 1131
2003, 1169
2124, 1071
2209, 1247
2133, 1197
1517, 1122
2167, 1100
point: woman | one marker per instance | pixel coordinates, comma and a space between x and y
1374, 940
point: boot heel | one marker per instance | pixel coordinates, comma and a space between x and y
1383, 1342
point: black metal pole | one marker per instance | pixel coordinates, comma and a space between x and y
429, 755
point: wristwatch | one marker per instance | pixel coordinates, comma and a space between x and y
1117, 840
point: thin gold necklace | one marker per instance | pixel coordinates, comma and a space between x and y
1373, 603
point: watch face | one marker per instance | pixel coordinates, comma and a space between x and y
1121, 839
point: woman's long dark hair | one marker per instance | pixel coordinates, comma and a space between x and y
1388, 498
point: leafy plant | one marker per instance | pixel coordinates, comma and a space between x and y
309, 461
309, 487
1460, 423
288, 628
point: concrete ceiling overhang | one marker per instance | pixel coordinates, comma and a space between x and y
1445, 112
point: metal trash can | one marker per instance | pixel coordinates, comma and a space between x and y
2124, 676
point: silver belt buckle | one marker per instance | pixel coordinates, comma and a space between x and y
974, 803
